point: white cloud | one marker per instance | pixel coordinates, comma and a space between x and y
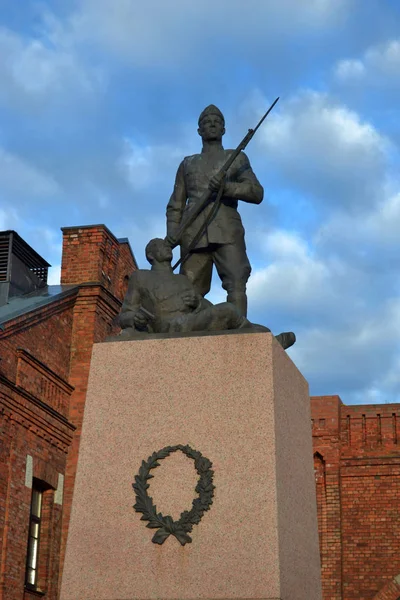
346, 343
383, 224
347, 339
290, 275
379, 64
374, 230
325, 150
350, 69
140, 233
9, 219
143, 165
136, 164
54, 275
34, 71
347, 324
361, 359
301, 284
50, 238
18, 177
161, 33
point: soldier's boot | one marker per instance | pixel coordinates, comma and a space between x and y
239, 299
286, 339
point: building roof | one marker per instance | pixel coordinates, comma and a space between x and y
125, 240
20, 305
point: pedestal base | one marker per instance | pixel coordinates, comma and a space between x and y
241, 402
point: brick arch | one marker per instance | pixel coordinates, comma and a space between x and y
390, 591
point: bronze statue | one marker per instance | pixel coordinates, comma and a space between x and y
214, 235
202, 217
158, 301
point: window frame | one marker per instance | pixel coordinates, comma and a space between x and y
38, 487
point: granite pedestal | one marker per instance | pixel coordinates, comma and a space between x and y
240, 401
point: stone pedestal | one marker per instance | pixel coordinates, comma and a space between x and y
241, 402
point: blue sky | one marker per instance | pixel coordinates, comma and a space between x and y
99, 103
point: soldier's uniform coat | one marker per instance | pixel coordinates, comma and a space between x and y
223, 241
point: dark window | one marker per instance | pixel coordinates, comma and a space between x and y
32, 561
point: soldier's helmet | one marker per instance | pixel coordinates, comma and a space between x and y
211, 110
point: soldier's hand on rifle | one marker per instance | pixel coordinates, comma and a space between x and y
190, 299
140, 320
216, 181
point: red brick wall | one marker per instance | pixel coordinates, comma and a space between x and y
26, 428
357, 467
46, 334
35, 353
325, 412
35, 377
93, 254
370, 528
82, 254
43, 380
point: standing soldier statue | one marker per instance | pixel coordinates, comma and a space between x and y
202, 214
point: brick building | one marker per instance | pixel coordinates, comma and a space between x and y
46, 338
357, 469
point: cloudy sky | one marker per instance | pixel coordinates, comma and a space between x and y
99, 101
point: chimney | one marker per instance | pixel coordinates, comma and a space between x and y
22, 270
91, 253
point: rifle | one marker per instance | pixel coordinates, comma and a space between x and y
207, 196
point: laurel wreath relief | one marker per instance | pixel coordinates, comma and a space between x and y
166, 525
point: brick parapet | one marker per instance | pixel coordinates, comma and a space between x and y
34, 415
370, 428
36, 377
357, 466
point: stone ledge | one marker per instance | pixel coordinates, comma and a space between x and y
137, 336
